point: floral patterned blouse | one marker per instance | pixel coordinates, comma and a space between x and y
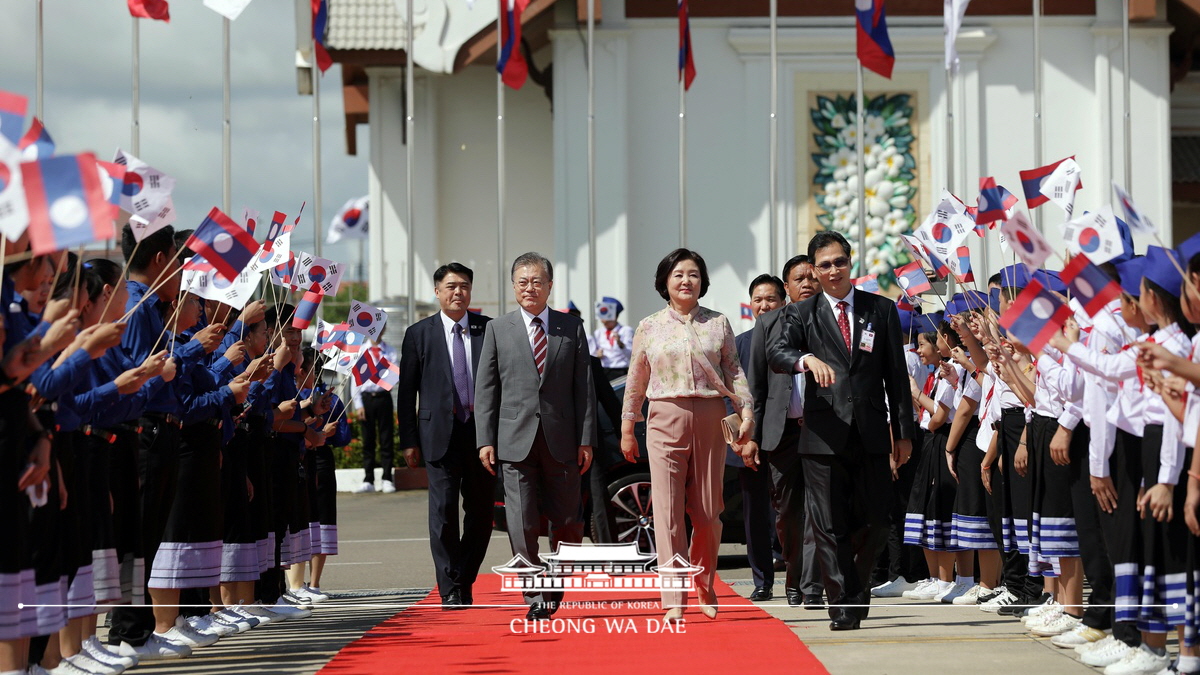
663, 366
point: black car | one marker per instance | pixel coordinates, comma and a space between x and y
617, 507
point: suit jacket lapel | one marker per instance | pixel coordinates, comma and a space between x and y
554, 338
828, 322
863, 315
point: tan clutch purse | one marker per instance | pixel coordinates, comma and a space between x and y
731, 427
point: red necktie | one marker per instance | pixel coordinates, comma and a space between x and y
844, 323
539, 345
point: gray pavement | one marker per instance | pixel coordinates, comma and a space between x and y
384, 565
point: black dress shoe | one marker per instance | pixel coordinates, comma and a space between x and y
813, 601
761, 594
467, 598
844, 621
794, 598
452, 600
537, 611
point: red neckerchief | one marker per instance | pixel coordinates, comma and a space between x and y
609, 334
930, 382
1141, 378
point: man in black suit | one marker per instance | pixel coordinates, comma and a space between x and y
439, 359
848, 341
778, 417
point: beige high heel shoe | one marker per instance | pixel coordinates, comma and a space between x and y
707, 600
673, 614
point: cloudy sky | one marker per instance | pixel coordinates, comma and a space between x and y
87, 103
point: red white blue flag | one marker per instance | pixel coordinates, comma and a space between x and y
747, 312
912, 280
1089, 284
224, 243
868, 283
66, 203
1028, 244
113, 181
281, 274
960, 265
150, 9
1032, 182
12, 116
687, 66
994, 202
320, 17
277, 247
306, 309
147, 189
875, 51
36, 143
318, 274
1096, 235
1035, 316
1134, 217
375, 367
328, 335
350, 222
511, 64
365, 319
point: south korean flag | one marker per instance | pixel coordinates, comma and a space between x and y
365, 319
317, 274
146, 188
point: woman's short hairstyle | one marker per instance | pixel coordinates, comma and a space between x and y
668, 264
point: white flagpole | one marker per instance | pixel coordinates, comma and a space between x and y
591, 148
1037, 95
409, 65
226, 128
682, 160
500, 259
135, 128
862, 187
1128, 119
316, 150
39, 67
773, 153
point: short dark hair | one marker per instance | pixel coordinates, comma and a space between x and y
182, 252
994, 279
826, 238
792, 263
529, 259
454, 267
89, 281
307, 356
281, 314
950, 334
668, 263
159, 241
108, 271
768, 279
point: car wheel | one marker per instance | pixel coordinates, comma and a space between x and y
631, 511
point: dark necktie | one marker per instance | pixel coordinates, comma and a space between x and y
844, 323
539, 345
463, 391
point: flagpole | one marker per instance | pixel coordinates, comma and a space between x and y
408, 166
316, 150
682, 159
226, 128
862, 188
39, 64
1037, 94
500, 260
1128, 119
591, 148
773, 153
135, 129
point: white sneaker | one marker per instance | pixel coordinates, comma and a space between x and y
86, 663
921, 587
208, 625
365, 487
294, 597
182, 634
956, 591
312, 594
156, 647
1102, 643
97, 650
1041, 613
1002, 600
1052, 627
388, 487
254, 613
1140, 661
1105, 655
971, 597
1077, 637
229, 616
290, 611
66, 667
893, 589
35, 669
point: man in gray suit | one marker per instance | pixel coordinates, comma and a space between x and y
535, 411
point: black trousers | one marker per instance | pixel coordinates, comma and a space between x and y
158, 473
758, 517
900, 560
1097, 568
459, 474
1012, 496
796, 540
848, 497
379, 427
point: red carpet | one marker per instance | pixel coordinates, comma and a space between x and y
743, 638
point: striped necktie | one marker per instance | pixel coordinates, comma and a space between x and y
539, 345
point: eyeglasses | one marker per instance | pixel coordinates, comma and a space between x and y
526, 283
840, 263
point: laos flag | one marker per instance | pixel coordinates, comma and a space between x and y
1035, 316
912, 280
994, 201
12, 116
511, 64
66, 203
36, 143
1089, 284
874, 47
224, 243
747, 312
306, 309
1031, 183
687, 67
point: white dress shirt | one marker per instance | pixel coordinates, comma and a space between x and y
1108, 335
612, 354
528, 319
448, 325
833, 304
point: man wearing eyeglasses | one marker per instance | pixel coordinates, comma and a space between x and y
857, 411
